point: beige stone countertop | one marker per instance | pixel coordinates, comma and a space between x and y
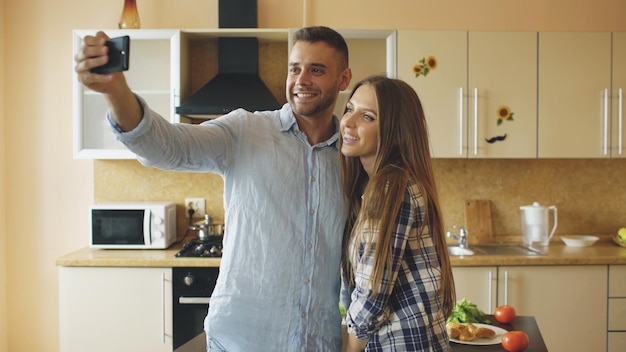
603, 252
162, 258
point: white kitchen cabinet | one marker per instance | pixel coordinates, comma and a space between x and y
618, 149
474, 74
442, 90
115, 309
574, 94
502, 76
153, 73
617, 309
477, 284
561, 298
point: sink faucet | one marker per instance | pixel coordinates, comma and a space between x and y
461, 237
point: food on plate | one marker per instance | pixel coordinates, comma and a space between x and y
515, 341
485, 333
454, 329
468, 332
466, 335
505, 314
467, 312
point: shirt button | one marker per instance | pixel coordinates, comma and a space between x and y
309, 246
313, 178
306, 281
312, 212
303, 314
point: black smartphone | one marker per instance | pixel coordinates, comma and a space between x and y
119, 52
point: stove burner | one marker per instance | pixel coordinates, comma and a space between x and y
202, 248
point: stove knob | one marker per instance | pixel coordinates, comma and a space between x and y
188, 279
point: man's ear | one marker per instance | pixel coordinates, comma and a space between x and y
346, 77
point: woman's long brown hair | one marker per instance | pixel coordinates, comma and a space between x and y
403, 154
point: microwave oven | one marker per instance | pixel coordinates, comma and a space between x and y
133, 225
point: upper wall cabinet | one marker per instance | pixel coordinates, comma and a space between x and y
153, 74
574, 95
476, 105
434, 63
618, 149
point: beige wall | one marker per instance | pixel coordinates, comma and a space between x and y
3, 236
44, 193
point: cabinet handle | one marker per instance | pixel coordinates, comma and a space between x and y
475, 121
461, 121
163, 307
489, 286
194, 300
506, 287
620, 112
606, 121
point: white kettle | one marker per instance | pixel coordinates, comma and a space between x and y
535, 224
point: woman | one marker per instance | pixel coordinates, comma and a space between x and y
397, 278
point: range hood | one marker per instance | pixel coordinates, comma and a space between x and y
237, 83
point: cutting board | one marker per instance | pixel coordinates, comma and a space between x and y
478, 220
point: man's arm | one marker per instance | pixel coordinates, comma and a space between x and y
93, 52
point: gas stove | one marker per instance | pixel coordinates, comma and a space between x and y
208, 248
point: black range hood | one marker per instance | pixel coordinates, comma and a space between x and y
237, 83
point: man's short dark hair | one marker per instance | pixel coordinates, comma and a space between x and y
324, 34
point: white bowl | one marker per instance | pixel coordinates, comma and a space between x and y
579, 241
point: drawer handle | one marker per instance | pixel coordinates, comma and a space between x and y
194, 300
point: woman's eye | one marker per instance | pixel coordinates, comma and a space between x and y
368, 117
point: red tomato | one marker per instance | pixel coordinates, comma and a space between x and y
515, 341
505, 314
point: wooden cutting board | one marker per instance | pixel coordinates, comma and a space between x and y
478, 220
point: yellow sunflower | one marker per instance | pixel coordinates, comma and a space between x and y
418, 70
504, 113
431, 62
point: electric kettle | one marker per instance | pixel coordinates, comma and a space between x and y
535, 222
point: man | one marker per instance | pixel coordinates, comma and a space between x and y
279, 282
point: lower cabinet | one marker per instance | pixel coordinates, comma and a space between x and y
617, 308
568, 302
115, 309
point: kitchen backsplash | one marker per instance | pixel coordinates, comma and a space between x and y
590, 194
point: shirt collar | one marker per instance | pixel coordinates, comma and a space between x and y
288, 122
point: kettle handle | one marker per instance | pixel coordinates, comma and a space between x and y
552, 207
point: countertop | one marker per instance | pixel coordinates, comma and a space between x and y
603, 252
524, 323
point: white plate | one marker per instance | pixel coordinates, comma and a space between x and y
484, 341
579, 241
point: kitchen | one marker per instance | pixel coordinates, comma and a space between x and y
43, 187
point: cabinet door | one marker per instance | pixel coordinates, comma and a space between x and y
153, 74
562, 299
574, 88
115, 309
442, 88
478, 285
503, 95
618, 149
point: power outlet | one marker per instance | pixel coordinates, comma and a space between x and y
197, 204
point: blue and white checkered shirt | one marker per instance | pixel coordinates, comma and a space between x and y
406, 314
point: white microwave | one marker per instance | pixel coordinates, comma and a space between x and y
133, 225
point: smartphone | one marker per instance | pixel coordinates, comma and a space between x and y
119, 52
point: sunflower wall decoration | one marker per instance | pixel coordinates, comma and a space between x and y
504, 114
425, 65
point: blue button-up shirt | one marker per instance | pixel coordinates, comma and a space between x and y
279, 281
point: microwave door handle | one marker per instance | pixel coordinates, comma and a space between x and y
194, 300
147, 230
